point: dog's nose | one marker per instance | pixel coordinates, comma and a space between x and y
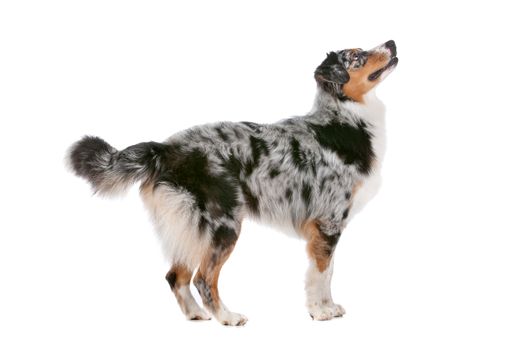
391, 45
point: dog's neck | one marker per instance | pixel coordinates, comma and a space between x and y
371, 110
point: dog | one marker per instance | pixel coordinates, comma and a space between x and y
308, 175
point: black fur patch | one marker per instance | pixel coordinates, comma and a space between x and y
213, 193
203, 223
254, 126
331, 242
298, 156
259, 147
171, 277
274, 172
234, 166
288, 195
332, 70
251, 200
321, 185
331, 75
306, 194
347, 195
345, 214
353, 144
222, 135
224, 237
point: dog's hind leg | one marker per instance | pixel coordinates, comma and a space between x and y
176, 224
206, 279
179, 278
320, 248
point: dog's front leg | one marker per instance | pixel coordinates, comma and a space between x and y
320, 249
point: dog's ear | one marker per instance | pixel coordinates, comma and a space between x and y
331, 70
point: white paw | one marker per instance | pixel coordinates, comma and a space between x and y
198, 315
232, 319
326, 312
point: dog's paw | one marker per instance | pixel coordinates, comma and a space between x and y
326, 311
198, 315
232, 319
338, 310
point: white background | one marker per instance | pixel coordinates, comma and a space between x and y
436, 261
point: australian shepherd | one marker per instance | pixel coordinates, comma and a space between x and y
309, 175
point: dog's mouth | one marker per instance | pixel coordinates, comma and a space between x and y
387, 48
391, 64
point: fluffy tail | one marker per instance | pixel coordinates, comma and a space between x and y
111, 171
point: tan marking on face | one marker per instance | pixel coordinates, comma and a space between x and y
316, 247
359, 85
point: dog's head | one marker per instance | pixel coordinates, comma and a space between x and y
350, 74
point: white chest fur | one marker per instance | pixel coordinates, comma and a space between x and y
373, 111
